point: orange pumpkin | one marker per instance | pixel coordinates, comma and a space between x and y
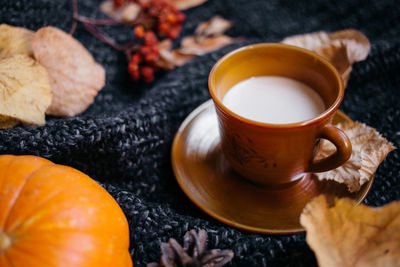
54, 215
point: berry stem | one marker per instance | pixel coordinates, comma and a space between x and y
96, 32
74, 14
78, 18
155, 17
96, 21
90, 26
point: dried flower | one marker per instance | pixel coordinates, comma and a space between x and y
193, 253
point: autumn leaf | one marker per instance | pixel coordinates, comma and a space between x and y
190, 46
75, 77
341, 48
25, 91
186, 4
208, 37
7, 122
15, 40
169, 58
348, 235
217, 25
357, 44
127, 13
369, 150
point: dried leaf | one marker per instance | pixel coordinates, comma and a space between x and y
336, 53
191, 46
341, 48
15, 40
310, 41
357, 44
25, 91
6, 122
216, 26
168, 59
208, 37
369, 150
75, 77
126, 13
348, 235
186, 4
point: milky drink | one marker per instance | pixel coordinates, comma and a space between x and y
274, 99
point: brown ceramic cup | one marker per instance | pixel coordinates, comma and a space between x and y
276, 154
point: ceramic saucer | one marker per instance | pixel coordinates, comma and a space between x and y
205, 176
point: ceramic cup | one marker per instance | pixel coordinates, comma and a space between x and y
276, 154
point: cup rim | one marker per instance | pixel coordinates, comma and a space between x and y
327, 112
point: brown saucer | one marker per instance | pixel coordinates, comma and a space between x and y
205, 176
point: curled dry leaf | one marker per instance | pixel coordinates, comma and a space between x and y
186, 4
15, 40
191, 46
75, 77
25, 91
348, 235
169, 58
215, 26
341, 48
126, 13
357, 44
208, 37
369, 150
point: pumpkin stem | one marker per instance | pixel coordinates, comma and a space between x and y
5, 241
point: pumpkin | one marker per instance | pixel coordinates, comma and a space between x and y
54, 215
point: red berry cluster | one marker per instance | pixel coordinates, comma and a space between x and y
161, 17
142, 64
119, 3
169, 18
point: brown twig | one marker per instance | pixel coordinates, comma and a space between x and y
78, 18
97, 21
91, 26
96, 32
74, 14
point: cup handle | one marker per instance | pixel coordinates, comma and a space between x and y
341, 155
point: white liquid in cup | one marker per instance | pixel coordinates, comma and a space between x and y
274, 99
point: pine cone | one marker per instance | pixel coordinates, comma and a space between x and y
193, 253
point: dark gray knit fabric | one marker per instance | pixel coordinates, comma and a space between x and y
124, 139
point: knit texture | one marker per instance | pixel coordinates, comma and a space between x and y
124, 139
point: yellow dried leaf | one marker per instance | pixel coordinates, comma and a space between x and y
341, 48
7, 122
15, 40
25, 91
348, 235
186, 4
75, 77
369, 150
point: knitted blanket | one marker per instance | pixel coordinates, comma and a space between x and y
124, 139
